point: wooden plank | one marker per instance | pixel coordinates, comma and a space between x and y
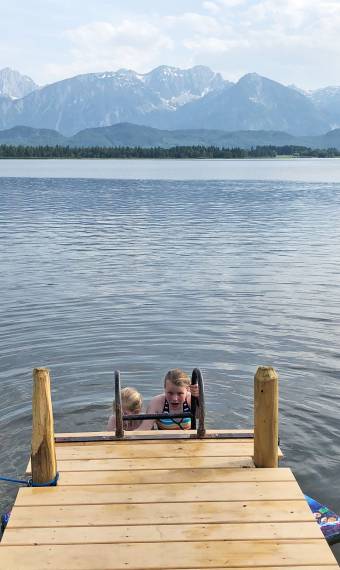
151, 464
158, 492
163, 533
173, 437
77, 478
176, 438
155, 450
180, 555
164, 513
158, 434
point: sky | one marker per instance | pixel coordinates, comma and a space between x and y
294, 42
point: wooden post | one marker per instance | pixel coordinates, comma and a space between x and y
266, 431
43, 458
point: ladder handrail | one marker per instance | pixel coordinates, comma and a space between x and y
164, 416
118, 406
198, 378
194, 402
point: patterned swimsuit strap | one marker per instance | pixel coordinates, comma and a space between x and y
166, 410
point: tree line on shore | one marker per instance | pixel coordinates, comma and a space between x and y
195, 151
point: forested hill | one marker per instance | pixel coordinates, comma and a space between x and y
130, 135
198, 152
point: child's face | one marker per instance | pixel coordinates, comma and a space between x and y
175, 394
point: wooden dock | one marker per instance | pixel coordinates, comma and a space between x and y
164, 503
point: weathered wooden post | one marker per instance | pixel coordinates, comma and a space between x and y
266, 412
43, 458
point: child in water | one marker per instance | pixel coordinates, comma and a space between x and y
132, 402
176, 399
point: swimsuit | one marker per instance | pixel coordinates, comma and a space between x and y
169, 423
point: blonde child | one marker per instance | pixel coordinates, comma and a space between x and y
132, 402
176, 399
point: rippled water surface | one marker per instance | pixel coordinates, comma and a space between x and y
148, 275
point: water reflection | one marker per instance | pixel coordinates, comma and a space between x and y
147, 275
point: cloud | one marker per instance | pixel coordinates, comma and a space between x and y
192, 23
231, 3
128, 32
213, 45
211, 7
133, 44
274, 38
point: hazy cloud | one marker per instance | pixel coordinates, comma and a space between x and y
192, 23
134, 44
211, 7
292, 41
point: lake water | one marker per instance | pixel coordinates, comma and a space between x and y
173, 267
308, 170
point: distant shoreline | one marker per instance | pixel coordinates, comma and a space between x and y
258, 159
177, 152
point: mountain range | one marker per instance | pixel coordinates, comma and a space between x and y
166, 98
127, 134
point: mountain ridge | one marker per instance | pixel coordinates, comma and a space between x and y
169, 98
127, 134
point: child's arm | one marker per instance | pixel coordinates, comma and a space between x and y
111, 424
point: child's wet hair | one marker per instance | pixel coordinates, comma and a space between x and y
132, 400
177, 377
